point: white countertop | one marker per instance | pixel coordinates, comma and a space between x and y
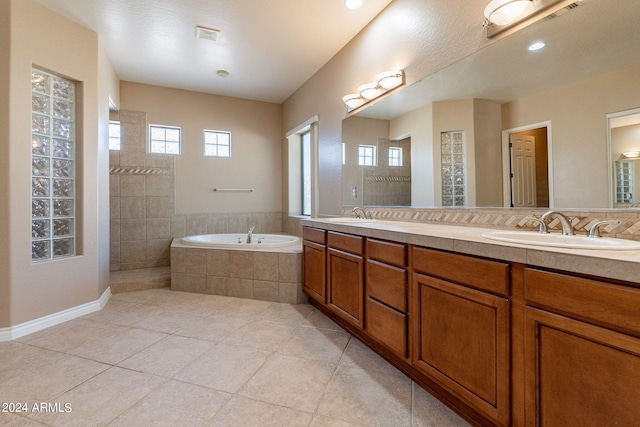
613, 264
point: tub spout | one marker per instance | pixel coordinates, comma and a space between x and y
250, 234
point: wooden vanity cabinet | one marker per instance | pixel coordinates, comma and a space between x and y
314, 263
461, 328
386, 295
582, 351
345, 276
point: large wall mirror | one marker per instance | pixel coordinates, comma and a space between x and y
508, 126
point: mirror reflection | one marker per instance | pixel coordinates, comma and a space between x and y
624, 135
530, 127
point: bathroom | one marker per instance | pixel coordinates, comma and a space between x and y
129, 219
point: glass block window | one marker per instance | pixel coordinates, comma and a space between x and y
164, 139
114, 135
217, 143
453, 168
367, 155
52, 166
624, 182
395, 156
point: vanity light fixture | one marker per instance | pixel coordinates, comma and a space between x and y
353, 4
370, 91
631, 155
503, 12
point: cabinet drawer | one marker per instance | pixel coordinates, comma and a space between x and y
491, 276
604, 303
387, 326
387, 284
314, 235
387, 252
345, 242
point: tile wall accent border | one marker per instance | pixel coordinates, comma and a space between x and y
504, 218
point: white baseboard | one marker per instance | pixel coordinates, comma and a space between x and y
26, 328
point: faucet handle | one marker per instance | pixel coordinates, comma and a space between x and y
543, 224
594, 231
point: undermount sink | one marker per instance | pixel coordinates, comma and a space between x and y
351, 220
562, 241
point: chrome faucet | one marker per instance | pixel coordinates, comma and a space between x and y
359, 212
250, 234
594, 231
567, 228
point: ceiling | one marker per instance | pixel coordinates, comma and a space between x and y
269, 47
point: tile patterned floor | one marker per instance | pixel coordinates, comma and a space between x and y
160, 357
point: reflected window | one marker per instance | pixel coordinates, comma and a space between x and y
114, 135
624, 182
367, 155
395, 156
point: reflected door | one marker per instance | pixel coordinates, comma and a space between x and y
523, 170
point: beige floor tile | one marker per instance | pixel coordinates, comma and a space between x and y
102, 398
117, 344
359, 355
44, 374
173, 404
167, 356
246, 308
245, 412
14, 356
430, 412
224, 367
367, 397
324, 421
170, 319
122, 313
261, 335
316, 344
318, 320
287, 313
290, 381
13, 420
212, 328
66, 336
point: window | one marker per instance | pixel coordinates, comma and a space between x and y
367, 155
114, 135
305, 162
217, 143
395, 156
453, 174
624, 182
53, 147
301, 184
164, 139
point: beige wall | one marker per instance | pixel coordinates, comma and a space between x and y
5, 242
256, 134
488, 152
418, 36
42, 38
579, 132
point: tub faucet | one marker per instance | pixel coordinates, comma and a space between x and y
567, 228
250, 234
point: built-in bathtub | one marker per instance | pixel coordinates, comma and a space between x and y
269, 268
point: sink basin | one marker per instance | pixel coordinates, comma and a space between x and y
350, 220
561, 241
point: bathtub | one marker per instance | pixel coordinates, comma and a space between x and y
238, 241
268, 269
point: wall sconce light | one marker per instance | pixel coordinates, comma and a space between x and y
503, 15
370, 91
631, 155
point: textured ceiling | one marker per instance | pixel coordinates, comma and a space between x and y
269, 47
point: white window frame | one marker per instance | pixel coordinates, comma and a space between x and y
395, 160
115, 142
165, 128
217, 145
366, 152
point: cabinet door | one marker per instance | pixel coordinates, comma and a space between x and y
462, 341
314, 268
579, 374
345, 285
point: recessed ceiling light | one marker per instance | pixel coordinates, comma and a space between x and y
222, 73
353, 4
536, 46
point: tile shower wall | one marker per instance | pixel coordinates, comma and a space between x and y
142, 209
